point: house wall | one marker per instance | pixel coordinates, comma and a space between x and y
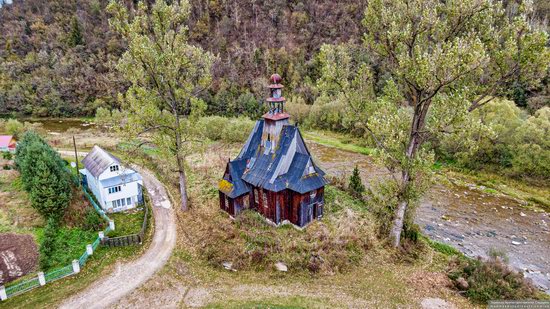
108, 174
304, 209
93, 185
128, 190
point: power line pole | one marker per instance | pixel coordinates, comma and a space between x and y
76, 158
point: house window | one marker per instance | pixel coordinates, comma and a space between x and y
114, 168
122, 202
265, 199
256, 196
114, 189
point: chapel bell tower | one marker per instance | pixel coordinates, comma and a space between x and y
276, 117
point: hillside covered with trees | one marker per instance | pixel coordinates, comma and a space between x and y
57, 58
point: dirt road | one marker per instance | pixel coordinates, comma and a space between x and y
131, 275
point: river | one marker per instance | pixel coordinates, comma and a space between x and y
467, 218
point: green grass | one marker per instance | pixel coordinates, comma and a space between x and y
126, 223
442, 248
69, 244
338, 141
338, 200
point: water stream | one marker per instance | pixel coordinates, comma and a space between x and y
467, 218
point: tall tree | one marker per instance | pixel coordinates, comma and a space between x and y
167, 73
44, 175
444, 58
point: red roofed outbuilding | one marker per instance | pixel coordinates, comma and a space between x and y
7, 143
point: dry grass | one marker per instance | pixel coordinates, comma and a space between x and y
350, 268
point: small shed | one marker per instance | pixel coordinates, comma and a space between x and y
8, 143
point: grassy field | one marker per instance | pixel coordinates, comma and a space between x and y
338, 141
16, 213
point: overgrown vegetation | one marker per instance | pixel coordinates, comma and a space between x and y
489, 280
47, 246
332, 245
127, 223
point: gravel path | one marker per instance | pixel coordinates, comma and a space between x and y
129, 276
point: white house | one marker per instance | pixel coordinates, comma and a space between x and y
115, 187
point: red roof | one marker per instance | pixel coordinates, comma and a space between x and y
7, 141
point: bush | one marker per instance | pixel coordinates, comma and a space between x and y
7, 155
14, 127
356, 187
92, 220
489, 280
47, 246
501, 136
237, 130
224, 129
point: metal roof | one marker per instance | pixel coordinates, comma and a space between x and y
98, 160
6, 140
236, 169
121, 179
263, 168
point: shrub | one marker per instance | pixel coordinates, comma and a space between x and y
237, 130
489, 280
7, 155
356, 187
229, 130
14, 127
47, 246
92, 220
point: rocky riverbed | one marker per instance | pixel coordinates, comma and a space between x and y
466, 217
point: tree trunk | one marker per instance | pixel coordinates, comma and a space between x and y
181, 165
414, 143
399, 217
183, 183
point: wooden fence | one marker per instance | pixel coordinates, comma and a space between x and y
133, 239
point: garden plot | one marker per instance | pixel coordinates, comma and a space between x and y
18, 256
